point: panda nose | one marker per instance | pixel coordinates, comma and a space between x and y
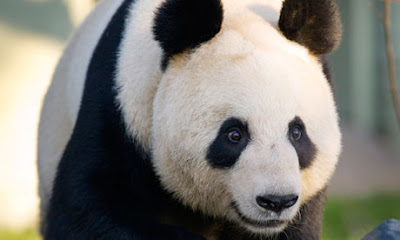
276, 203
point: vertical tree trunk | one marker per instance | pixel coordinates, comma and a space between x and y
391, 61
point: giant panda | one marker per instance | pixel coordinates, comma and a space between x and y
191, 119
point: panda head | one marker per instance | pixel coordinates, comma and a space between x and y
244, 121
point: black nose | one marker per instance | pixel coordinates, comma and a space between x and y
276, 203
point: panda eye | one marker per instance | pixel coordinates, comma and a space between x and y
296, 133
234, 135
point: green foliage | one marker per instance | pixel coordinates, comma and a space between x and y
353, 218
24, 235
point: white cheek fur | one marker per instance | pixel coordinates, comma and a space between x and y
198, 107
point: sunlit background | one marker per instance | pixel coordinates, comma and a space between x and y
364, 191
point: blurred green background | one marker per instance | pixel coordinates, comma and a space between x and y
364, 191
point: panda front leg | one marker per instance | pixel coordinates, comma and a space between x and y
105, 188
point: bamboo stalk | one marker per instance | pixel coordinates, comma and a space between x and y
390, 58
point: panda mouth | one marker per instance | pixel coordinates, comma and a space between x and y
275, 223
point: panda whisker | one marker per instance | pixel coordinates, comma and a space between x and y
287, 236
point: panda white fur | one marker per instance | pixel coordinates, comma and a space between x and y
191, 119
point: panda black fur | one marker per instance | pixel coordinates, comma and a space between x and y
184, 129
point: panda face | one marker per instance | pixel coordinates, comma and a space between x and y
244, 129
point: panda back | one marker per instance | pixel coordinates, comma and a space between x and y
63, 98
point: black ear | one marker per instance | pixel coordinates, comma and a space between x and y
185, 24
314, 24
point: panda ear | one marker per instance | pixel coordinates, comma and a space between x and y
185, 24
314, 24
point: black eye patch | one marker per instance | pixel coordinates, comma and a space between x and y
304, 147
232, 139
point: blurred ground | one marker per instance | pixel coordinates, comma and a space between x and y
368, 164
